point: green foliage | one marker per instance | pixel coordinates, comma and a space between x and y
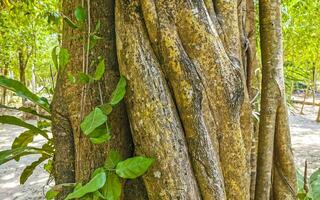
105, 181
113, 187
133, 167
10, 154
23, 139
119, 92
63, 58
21, 144
92, 121
113, 159
93, 185
80, 14
6, 119
24, 28
301, 28
100, 70
95, 124
22, 91
27, 172
313, 184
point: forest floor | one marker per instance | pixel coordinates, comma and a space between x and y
305, 134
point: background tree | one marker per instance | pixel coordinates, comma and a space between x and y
27, 39
301, 36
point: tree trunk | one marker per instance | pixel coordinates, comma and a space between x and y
276, 170
5, 72
306, 94
23, 61
71, 102
318, 118
188, 66
314, 84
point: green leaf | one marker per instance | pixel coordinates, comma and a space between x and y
83, 78
26, 110
54, 57
92, 121
71, 78
98, 196
93, 41
53, 18
27, 172
23, 92
80, 14
70, 23
48, 166
100, 135
113, 159
94, 184
106, 108
301, 196
31, 111
63, 58
113, 187
23, 139
119, 92
101, 139
315, 184
55, 190
97, 28
43, 124
51, 194
97, 171
6, 119
11, 154
101, 130
133, 167
300, 180
100, 70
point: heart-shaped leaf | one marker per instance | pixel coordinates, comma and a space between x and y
133, 167
92, 121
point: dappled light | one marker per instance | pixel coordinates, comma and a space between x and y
159, 100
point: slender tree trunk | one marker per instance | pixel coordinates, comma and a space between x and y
4, 90
306, 94
22, 67
276, 170
318, 118
314, 84
23, 58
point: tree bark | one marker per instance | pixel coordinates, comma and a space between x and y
188, 65
5, 72
72, 102
184, 48
23, 57
276, 170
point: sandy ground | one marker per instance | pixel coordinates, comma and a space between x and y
305, 137
305, 141
10, 188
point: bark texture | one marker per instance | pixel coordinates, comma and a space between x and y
175, 62
276, 170
189, 68
76, 157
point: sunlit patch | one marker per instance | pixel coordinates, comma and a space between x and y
12, 184
8, 176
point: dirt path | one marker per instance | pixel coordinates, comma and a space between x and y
305, 140
10, 188
305, 134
